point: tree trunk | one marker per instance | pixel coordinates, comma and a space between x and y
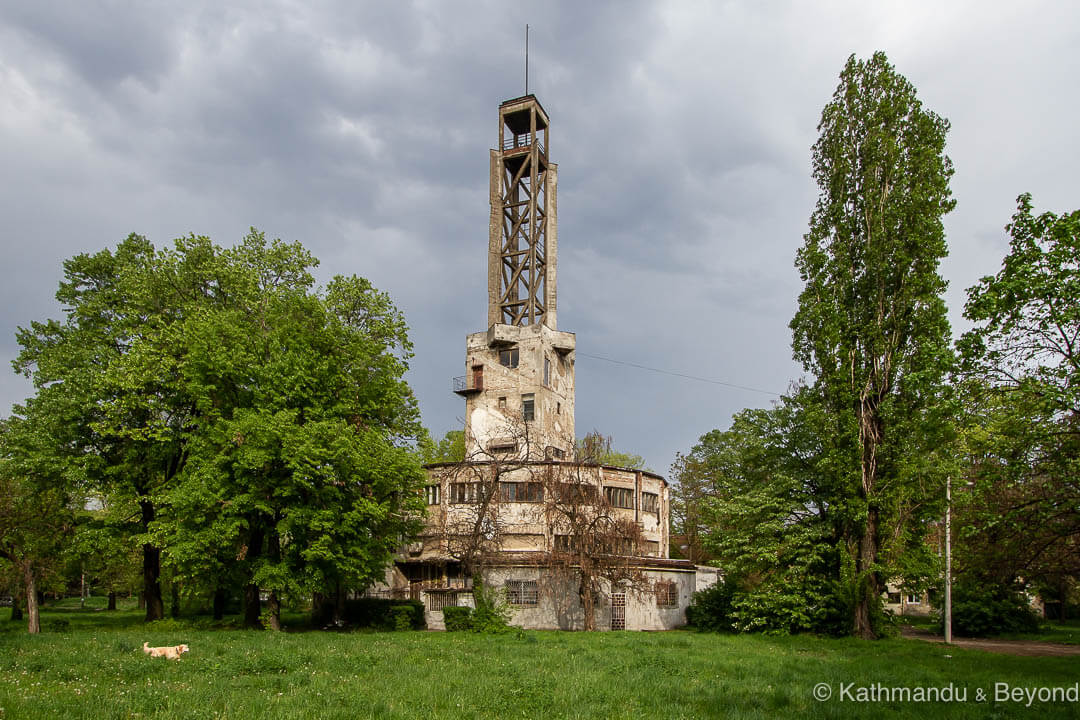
273, 607
339, 604
155, 607
16, 611
219, 604
112, 601
33, 625
868, 588
252, 608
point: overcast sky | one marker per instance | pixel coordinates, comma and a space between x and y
361, 129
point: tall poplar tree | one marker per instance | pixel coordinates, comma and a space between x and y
871, 325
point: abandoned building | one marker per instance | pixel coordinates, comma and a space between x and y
524, 512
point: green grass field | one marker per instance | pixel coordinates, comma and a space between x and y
89, 664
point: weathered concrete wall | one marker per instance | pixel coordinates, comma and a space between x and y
493, 407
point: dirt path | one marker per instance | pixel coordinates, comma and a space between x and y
1006, 647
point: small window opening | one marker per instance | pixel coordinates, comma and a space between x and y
528, 407
509, 358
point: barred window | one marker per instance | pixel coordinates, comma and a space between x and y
620, 497
431, 493
667, 594
464, 492
522, 492
650, 502
436, 601
522, 592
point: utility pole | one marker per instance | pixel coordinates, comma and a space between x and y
948, 560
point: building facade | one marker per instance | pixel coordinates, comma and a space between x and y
573, 544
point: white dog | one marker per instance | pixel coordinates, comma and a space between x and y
173, 652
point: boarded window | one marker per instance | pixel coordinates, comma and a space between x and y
523, 492
620, 497
650, 502
431, 493
464, 492
522, 592
667, 594
577, 494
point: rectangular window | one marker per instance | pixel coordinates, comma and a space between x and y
431, 492
577, 494
502, 403
528, 407
620, 497
650, 502
509, 358
522, 592
894, 598
667, 594
913, 599
464, 492
565, 543
547, 372
522, 492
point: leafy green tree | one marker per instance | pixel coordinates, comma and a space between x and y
1027, 334
598, 448
120, 442
35, 514
1020, 519
451, 449
262, 425
300, 469
871, 325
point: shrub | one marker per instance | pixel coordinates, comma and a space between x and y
383, 614
457, 618
711, 609
981, 610
492, 613
403, 617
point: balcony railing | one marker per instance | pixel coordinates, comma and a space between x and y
521, 141
461, 385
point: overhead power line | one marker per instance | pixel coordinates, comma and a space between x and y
678, 374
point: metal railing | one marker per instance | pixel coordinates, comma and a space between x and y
522, 141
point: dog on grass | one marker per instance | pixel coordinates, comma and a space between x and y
173, 652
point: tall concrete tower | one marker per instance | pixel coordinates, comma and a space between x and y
519, 381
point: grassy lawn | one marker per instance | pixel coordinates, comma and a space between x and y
89, 664
1065, 632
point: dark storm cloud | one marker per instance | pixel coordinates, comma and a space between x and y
682, 132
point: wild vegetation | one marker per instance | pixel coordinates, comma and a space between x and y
93, 667
812, 505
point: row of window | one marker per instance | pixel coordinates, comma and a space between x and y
526, 593
533, 492
624, 498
